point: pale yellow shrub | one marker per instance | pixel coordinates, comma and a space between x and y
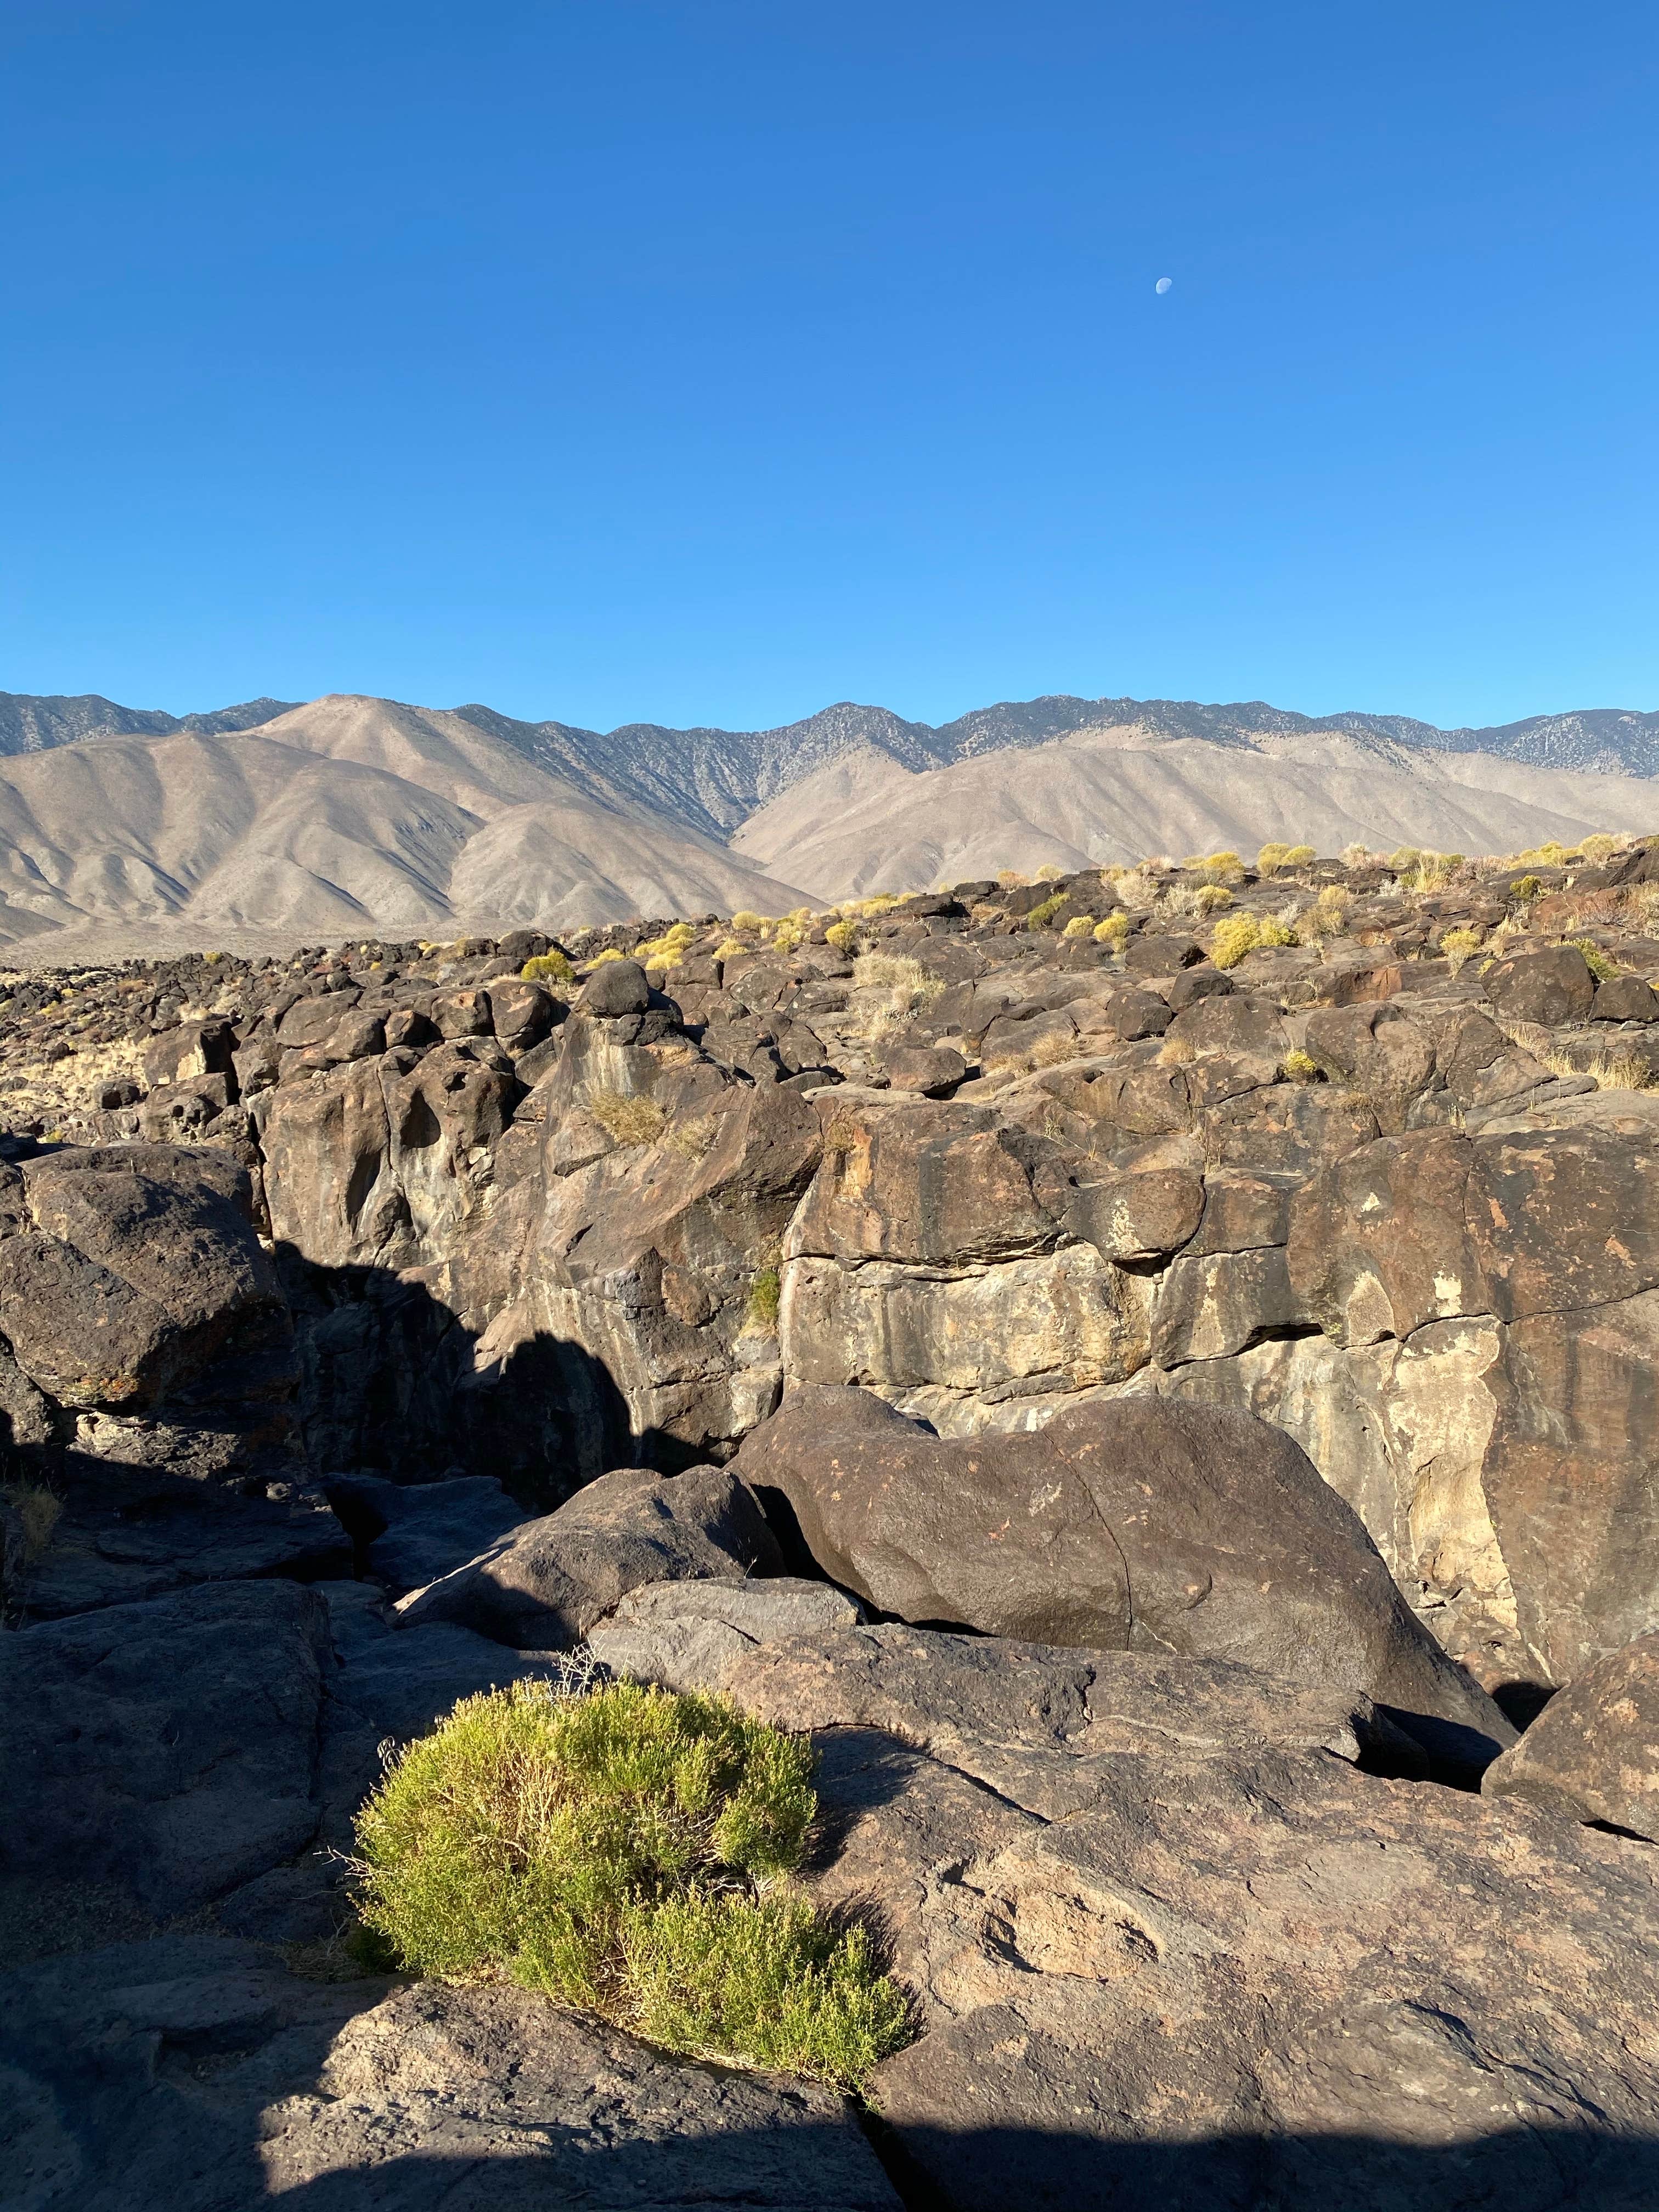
887, 971
627, 1121
1218, 867
1078, 925
1048, 871
1113, 930
843, 935
1460, 946
37, 1511
1240, 933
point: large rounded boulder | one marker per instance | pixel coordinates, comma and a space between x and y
1129, 1523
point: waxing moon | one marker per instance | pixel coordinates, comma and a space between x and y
1162, 285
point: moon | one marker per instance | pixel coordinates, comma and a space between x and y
1162, 285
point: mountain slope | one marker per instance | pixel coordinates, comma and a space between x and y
351, 815
863, 822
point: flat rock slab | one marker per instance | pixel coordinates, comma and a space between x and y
102, 1555
411, 1532
692, 1636
545, 1586
190, 2075
166, 1747
1162, 1957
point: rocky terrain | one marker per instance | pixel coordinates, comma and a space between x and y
1153, 1369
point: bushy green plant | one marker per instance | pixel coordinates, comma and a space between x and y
1113, 931
843, 935
619, 1851
1526, 889
765, 1294
714, 1974
1604, 968
1041, 917
548, 968
1239, 933
1301, 1066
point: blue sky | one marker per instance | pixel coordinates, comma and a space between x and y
708, 363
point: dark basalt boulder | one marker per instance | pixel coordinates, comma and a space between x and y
619, 987
1549, 986
164, 1748
1593, 1754
1132, 1523
409, 1533
543, 1587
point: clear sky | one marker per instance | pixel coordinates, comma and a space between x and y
709, 361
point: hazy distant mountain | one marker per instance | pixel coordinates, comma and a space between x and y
715, 780
352, 815
30, 723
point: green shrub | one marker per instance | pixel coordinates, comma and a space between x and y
1301, 1066
768, 1976
1113, 931
1600, 965
1239, 933
843, 935
1041, 917
765, 1293
1460, 946
548, 968
1080, 925
609, 1851
1211, 898
1526, 889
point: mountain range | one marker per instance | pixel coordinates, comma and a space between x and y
353, 816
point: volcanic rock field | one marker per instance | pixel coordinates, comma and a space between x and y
1155, 1369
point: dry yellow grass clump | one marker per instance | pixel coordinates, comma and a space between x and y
627, 1121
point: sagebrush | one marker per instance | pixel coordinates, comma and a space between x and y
625, 1851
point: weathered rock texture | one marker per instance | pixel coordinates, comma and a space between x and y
1127, 1524
1593, 1754
224, 2081
975, 1160
543, 1587
1171, 1945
